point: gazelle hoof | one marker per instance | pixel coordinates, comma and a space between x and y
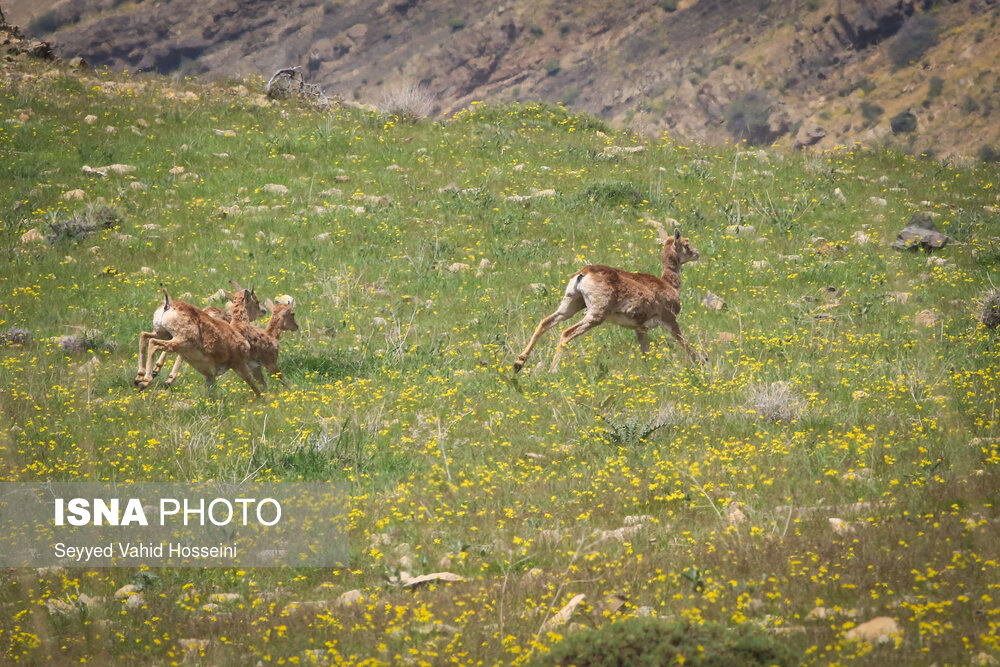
518, 365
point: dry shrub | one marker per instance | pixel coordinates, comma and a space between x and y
989, 308
775, 402
407, 103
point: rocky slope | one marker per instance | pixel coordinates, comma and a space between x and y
818, 72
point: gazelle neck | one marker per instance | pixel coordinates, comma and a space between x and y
671, 266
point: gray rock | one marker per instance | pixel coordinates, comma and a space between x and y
920, 232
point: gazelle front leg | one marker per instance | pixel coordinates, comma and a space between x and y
174, 372
159, 364
675, 329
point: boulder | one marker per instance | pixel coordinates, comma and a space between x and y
920, 232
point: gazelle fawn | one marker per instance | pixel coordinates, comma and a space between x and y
212, 346
264, 343
638, 301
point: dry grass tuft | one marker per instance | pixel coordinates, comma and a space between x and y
775, 402
988, 307
407, 103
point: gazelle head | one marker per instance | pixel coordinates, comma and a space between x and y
284, 310
250, 301
680, 244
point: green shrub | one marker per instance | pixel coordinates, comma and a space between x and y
747, 118
456, 23
903, 122
667, 5
913, 39
613, 193
652, 641
988, 154
552, 65
44, 23
934, 87
870, 111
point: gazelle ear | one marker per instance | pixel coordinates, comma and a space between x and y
269, 304
677, 234
230, 295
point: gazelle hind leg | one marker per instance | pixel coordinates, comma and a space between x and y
153, 345
578, 329
570, 306
643, 338
243, 370
276, 372
144, 338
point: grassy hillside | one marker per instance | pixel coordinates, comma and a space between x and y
845, 380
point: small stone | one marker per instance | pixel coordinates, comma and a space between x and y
734, 515
32, 236
434, 577
926, 318
225, 133
59, 607
818, 614
563, 615
878, 630
275, 189
458, 266
860, 237
90, 119
126, 590
88, 602
225, 597
878, 201
760, 264
840, 526
713, 302
136, 601
839, 195
983, 660
176, 171
74, 194
898, 297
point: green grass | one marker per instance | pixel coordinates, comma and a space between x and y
401, 382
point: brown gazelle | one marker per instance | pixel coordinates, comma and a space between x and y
211, 311
264, 343
638, 301
212, 346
